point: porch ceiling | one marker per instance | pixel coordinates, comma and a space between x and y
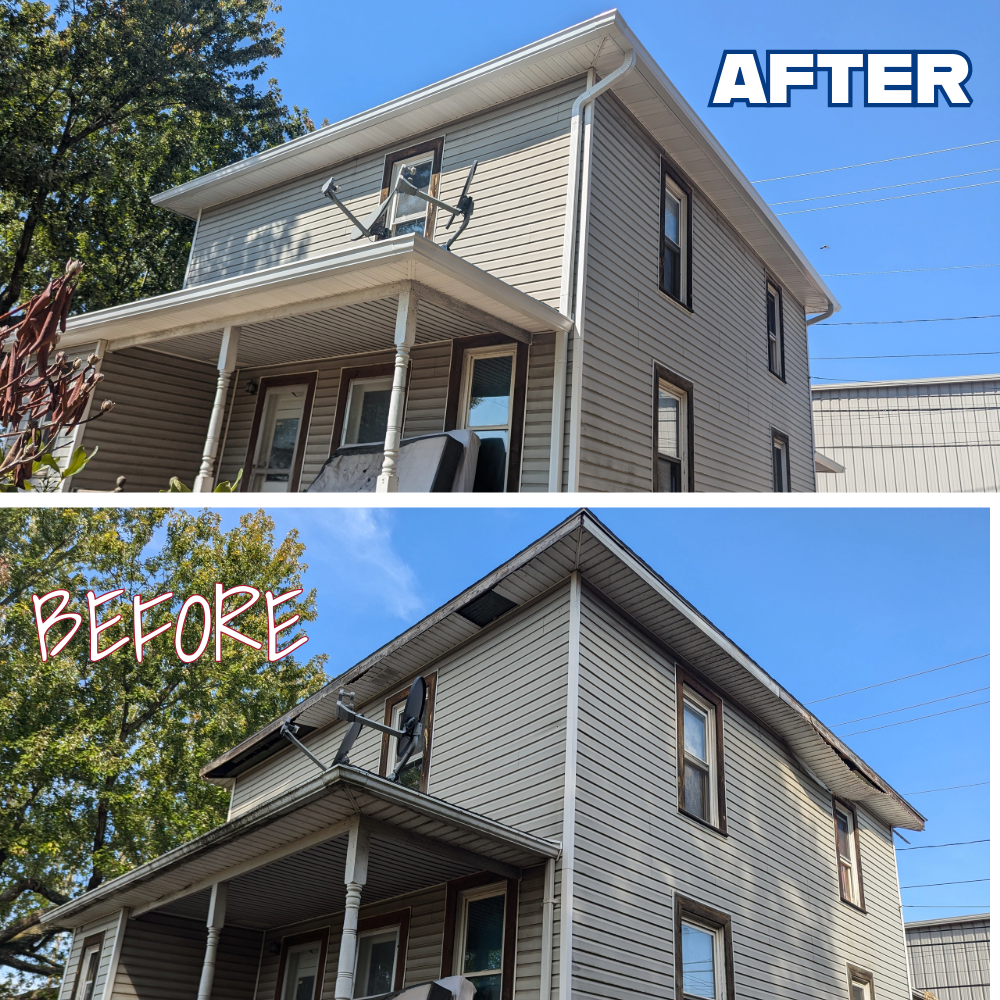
327, 333
436, 839
348, 276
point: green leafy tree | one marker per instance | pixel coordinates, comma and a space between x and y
106, 102
99, 760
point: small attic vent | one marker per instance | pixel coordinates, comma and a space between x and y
487, 608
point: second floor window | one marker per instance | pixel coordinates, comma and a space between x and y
700, 746
848, 868
416, 772
674, 229
775, 334
422, 166
88, 972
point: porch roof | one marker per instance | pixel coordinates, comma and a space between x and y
582, 542
342, 278
274, 843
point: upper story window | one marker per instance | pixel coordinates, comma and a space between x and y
90, 961
780, 468
416, 772
671, 436
775, 332
407, 213
704, 952
303, 959
699, 738
848, 865
675, 235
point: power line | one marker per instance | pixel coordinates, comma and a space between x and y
930, 885
883, 187
869, 357
955, 843
891, 159
920, 673
919, 718
949, 788
906, 270
920, 704
895, 197
884, 322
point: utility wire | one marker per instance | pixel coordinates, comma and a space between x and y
930, 885
895, 197
883, 187
954, 843
884, 322
920, 704
919, 718
907, 270
927, 791
868, 357
891, 159
920, 673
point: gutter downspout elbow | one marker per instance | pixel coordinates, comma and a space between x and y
570, 264
819, 317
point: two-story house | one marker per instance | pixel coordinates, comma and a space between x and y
612, 801
623, 312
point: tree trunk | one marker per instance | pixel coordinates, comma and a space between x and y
9, 297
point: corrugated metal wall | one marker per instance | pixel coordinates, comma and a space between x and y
952, 960
916, 437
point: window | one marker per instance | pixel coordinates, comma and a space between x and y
481, 940
488, 389
90, 962
381, 954
779, 463
422, 166
278, 434
775, 333
862, 984
671, 434
848, 865
367, 410
704, 968
699, 738
674, 239
303, 961
417, 770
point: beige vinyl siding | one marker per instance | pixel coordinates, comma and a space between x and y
109, 927
426, 399
721, 347
162, 957
926, 437
775, 873
158, 425
519, 190
538, 415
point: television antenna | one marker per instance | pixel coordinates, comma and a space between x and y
374, 226
409, 737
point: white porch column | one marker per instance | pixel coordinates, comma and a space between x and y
216, 919
355, 876
205, 482
406, 330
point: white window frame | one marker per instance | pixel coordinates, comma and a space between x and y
665, 385
355, 382
858, 977
677, 192
718, 956
295, 949
376, 932
704, 706
84, 967
779, 443
851, 862
461, 924
397, 166
468, 360
396, 715
265, 435
778, 368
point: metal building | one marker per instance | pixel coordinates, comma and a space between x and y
938, 435
950, 958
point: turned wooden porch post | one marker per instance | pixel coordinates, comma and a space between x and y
406, 330
355, 876
216, 920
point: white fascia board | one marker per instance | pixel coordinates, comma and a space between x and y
306, 285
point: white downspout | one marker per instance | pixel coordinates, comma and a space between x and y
831, 308
819, 317
548, 924
579, 131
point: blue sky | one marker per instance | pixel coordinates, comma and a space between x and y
339, 64
825, 600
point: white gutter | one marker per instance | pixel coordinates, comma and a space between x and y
574, 237
831, 309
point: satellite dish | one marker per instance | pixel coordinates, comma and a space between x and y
412, 720
345, 747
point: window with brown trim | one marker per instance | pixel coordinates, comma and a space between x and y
780, 466
362, 405
486, 394
480, 933
673, 434
845, 826
380, 961
302, 964
775, 331
861, 984
703, 950
417, 771
422, 163
701, 788
88, 967
675, 236
278, 434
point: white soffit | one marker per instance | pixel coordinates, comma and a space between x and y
598, 43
